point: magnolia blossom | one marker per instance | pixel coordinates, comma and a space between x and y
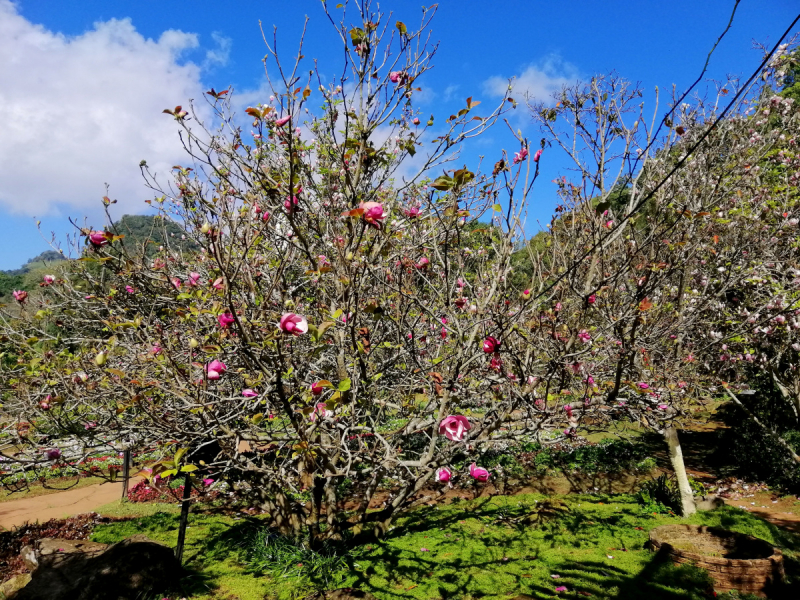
537, 156
321, 410
592, 299
283, 121
413, 212
294, 324
249, 393
129, 289
207, 481
584, 336
194, 279
443, 474
218, 283
454, 427
423, 262
373, 213
176, 283
491, 344
520, 156
53, 454
643, 386
19, 295
226, 319
98, 238
478, 473
215, 369
49, 279
316, 388
397, 77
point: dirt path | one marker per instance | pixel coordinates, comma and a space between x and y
56, 506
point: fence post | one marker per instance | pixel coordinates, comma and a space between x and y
126, 471
187, 491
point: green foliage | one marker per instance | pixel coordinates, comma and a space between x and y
660, 495
753, 453
145, 233
607, 456
29, 275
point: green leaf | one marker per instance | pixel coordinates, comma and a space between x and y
344, 385
179, 455
497, 208
188, 468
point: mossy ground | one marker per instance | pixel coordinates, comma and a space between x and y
492, 548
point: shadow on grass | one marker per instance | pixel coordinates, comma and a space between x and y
488, 547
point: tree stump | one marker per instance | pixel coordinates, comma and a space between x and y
733, 560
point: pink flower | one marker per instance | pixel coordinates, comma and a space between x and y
416, 121
592, 299
319, 410
249, 393
129, 289
643, 386
413, 212
283, 121
49, 279
520, 156
207, 481
478, 473
291, 205
155, 350
491, 344
561, 588
443, 474
194, 279
215, 369
53, 454
423, 262
218, 283
20, 296
98, 239
226, 319
176, 283
373, 213
454, 427
89, 425
663, 406
316, 388
397, 76
294, 324
443, 333
460, 282
584, 336
537, 156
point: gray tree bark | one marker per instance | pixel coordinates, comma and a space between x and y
676, 458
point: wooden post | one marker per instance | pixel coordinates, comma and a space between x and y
187, 490
126, 472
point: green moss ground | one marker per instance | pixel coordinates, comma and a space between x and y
494, 548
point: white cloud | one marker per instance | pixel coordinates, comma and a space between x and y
81, 111
537, 81
218, 57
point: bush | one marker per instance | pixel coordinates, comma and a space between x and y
752, 452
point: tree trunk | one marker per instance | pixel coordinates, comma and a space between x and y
676, 458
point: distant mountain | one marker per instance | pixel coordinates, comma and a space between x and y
142, 233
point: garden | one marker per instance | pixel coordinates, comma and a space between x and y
340, 361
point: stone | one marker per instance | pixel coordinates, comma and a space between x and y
8, 588
709, 502
128, 570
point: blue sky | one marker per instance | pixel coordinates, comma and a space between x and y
83, 82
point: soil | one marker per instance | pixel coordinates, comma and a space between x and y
14, 513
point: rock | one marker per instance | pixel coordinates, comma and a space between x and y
8, 588
128, 570
709, 502
55, 549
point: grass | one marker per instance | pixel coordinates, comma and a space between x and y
489, 548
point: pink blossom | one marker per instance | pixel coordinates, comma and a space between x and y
53, 454
291, 205
215, 369
584, 336
423, 262
294, 324
663, 406
491, 344
537, 156
129, 289
249, 393
49, 279
443, 474
412, 213
454, 427
207, 481
20, 296
561, 588
460, 282
156, 350
397, 77
194, 279
643, 386
592, 299
226, 319
443, 333
316, 388
478, 473
89, 425
373, 213
319, 410
218, 283
283, 121
520, 156
98, 239
176, 283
